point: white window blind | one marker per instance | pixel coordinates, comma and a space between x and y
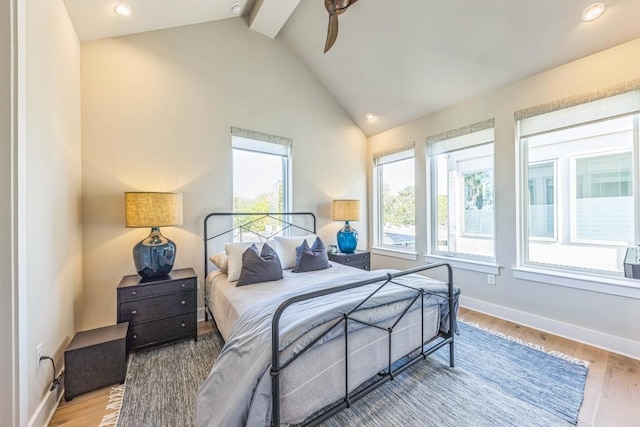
468, 136
582, 114
395, 155
259, 142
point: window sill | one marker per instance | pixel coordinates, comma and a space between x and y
619, 286
411, 256
465, 264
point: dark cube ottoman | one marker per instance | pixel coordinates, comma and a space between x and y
95, 358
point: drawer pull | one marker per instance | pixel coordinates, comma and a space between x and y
184, 302
134, 293
135, 337
134, 312
183, 324
184, 285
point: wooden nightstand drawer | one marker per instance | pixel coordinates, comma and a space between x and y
161, 331
350, 259
363, 265
153, 289
359, 259
155, 308
159, 311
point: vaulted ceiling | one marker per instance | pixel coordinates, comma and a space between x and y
399, 59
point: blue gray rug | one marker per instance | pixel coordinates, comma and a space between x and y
496, 382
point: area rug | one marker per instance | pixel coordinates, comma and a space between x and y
496, 382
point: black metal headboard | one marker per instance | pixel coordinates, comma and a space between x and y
240, 226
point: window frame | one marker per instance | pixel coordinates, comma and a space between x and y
554, 165
379, 161
468, 137
271, 145
532, 270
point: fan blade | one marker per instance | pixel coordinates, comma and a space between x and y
332, 32
330, 6
342, 5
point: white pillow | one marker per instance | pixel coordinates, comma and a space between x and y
286, 248
234, 258
220, 260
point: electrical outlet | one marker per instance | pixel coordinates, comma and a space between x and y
38, 354
491, 279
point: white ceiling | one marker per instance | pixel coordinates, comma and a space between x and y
95, 19
399, 59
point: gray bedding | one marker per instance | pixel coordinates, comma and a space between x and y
228, 301
237, 392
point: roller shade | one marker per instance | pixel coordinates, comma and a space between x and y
465, 137
394, 155
578, 115
259, 142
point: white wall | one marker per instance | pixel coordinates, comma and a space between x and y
607, 314
157, 111
7, 326
53, 241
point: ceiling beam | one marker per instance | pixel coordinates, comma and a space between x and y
269, 16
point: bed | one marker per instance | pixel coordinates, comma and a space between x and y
301, 348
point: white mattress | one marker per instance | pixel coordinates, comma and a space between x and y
228, 302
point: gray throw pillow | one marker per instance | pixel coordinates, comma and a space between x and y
311, 258
259, 267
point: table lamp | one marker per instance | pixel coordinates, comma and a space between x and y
347, 210
154, 256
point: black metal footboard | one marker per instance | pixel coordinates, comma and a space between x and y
441, 339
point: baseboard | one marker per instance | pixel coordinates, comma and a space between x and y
44, 413
201, 314
590, 337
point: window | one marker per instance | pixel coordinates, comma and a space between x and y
580, 166
261, 178
542, 208
462, 192
395, 199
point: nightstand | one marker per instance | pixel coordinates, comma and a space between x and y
359, 259
159, 310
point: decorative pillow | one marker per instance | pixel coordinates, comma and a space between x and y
286, 248
234, 254
220, 260
311, 258
263, 267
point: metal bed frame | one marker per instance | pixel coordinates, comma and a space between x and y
285, 218
420, 353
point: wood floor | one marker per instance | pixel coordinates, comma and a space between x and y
611, 398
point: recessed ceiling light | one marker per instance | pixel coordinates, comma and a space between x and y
593, 12
235, 9
370, 116
123, 9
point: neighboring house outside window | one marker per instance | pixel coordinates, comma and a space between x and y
261, 179
579, 204
461, 164
395, 199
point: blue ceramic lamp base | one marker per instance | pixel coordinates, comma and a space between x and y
347, 239
154, 256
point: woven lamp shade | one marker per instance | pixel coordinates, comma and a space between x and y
346, 210
152, 209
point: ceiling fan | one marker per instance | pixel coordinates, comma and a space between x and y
335, 8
